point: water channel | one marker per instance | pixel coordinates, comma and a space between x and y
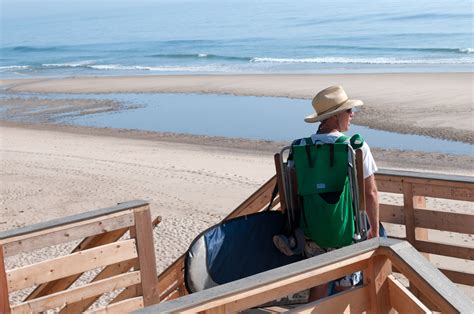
248, 117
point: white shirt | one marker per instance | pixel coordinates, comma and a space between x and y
330, 138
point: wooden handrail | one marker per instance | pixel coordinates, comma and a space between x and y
70, 219
414, 175
267, 286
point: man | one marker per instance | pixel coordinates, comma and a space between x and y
335, 111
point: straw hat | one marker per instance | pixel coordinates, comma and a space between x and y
331, 101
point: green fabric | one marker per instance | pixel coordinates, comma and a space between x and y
321, 177
357, 141
323, 185
342, 139
329, 225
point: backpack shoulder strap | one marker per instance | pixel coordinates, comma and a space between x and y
302, 141
357, 141
341, 139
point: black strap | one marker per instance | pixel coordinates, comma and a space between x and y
308, 155
331, 155
305, 221
274, 193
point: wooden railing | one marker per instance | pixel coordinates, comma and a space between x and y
121, 262
380, 293
418, 219
130, 263
413, 188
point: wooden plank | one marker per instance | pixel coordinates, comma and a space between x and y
397, 238
375, 277
426, 178
64, 283
403, 300
260, 295
459, 277
389, 186
4, 299
89, 215
449, 192
146, 257
270, 285
276, 204
167, 279
75, 263
89, 242
426, 277
454, 222
409, 212
67, 233
173, 295
445, 249
127, 293
420, 233
218, 310
107, 272
122, 307
59, 299
351, 301
280, 180
392, 214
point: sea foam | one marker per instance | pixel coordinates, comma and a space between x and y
342, 60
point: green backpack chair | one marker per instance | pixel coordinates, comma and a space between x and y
326, 191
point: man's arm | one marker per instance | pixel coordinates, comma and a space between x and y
372, 205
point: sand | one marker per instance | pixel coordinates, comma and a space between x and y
51, 171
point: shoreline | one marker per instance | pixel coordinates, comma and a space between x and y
429, 162
434, 104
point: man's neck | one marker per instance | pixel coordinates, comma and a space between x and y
327, 130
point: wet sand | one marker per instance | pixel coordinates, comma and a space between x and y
436, 104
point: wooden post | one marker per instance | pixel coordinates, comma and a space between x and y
146, 256
409, 212
421, 234
409, 202
376, 277
4, 300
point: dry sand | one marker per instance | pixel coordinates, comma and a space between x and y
50, 174
50, 171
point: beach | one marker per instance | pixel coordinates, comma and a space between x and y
50, 171
184, 106
183, 173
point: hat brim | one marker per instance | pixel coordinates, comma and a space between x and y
351, 103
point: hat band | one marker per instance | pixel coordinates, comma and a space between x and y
332, 108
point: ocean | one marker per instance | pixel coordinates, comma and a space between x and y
65, 38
